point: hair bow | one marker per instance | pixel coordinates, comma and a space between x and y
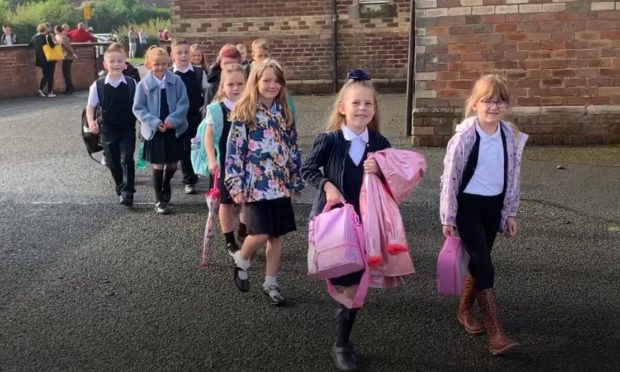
357, 74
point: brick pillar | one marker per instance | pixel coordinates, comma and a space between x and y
433, 126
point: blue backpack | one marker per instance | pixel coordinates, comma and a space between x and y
200, 162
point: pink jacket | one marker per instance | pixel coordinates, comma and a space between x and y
457, 154
387, 251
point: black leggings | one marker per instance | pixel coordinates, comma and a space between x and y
477, 219
47, 81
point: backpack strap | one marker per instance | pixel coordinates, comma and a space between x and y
100, 89
131, 84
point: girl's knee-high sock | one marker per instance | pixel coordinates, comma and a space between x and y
158, 180
168, 174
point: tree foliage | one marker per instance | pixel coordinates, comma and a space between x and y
25, 15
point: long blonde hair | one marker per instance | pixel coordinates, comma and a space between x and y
152, 53
226, 72
336, 118
245, 108
488, 86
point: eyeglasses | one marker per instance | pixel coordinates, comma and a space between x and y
499, 103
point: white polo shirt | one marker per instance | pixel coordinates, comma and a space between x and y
93, 96
358, 143
488, 178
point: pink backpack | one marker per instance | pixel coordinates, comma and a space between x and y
451, 267
335, 243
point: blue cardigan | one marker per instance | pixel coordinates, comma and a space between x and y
146, 104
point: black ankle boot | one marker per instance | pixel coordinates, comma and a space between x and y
342, 351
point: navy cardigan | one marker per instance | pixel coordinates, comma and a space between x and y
330, 152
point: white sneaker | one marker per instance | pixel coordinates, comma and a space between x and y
41, 93
51, 94
103, 161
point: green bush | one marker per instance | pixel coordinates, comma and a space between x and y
26, 17
111, 14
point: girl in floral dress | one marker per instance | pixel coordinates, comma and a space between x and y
262, 171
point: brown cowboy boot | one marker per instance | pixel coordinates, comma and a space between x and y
499, 343
464, 314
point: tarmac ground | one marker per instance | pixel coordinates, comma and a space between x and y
86, 284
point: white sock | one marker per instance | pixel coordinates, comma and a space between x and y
269, 281
240, 262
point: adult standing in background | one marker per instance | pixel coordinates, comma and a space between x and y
46, 86
68, 53
132, 39
8, 37
80, 34
143, 38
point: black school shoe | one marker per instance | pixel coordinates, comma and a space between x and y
127, 200
242, 280
274, 295
190, 189
161, 208
231, 248
345, 358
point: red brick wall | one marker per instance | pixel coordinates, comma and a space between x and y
301, 38
21, 78
560, 57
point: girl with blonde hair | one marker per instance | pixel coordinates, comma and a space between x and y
161, 106
480, 197
262, 171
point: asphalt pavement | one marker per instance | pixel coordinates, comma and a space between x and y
88, 285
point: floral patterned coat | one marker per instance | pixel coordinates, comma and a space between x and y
457, 154
263, 162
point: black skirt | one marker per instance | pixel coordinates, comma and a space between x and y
272, 217
224, 194
165, 147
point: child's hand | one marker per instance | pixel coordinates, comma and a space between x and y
332, 194
371, 166
93, 127
168, 124
213, 168
448, 231
511, 227
161, 127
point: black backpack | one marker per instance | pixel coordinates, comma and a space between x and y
92, 141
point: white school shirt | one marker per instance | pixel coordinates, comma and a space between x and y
358, 143
190, 67
488, 178
93, 96
161, 82
229, 105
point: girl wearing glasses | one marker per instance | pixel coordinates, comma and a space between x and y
480, 197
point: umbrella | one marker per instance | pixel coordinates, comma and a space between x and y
213, 203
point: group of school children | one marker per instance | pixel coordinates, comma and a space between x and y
251, 148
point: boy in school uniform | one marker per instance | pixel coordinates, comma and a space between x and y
195, 93
115, 120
